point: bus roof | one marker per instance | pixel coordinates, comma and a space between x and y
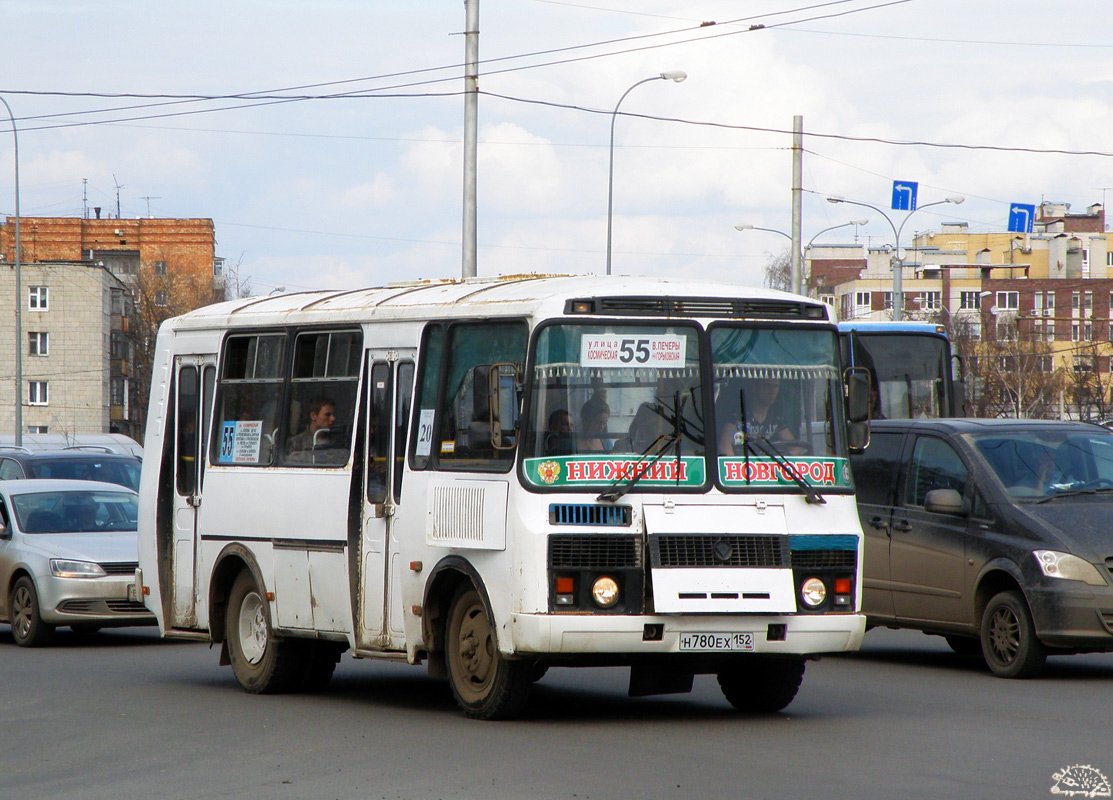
509, 295
889, 326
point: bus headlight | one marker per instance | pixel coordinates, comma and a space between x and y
813, 592
604, 591
1064, 565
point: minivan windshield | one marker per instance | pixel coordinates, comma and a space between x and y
1049, 463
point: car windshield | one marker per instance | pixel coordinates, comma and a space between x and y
70, 511
123, 471
615, 404
1043, 464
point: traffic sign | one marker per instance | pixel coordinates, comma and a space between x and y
904, 195
1020, 217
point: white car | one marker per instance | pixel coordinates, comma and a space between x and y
68, 554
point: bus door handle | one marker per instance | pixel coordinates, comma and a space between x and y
902, 525
194, 500
880, 523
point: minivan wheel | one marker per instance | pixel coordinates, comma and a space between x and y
1009, 643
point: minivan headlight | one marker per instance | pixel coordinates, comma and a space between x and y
1054, 564
66, 568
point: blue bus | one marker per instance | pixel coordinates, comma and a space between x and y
911, 367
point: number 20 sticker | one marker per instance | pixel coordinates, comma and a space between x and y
615, 350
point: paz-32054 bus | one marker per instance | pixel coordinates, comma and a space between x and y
497, 476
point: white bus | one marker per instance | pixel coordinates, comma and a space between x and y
496, 476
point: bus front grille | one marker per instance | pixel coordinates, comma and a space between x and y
717, 550
594, 552
589, 514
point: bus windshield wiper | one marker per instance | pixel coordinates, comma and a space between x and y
758, 443
658, 448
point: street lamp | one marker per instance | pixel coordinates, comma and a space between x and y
894, 261
276, 290
745, 226
676, 76
18, 299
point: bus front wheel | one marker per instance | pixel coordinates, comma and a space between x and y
485, 685
762, 685
262, 663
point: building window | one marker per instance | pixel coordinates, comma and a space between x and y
218, 268
38, 298
116, 391
862, 306
119, 345
1006, 330
160, 268
38, 393
38, 429
1083, 364
1050, 330
1008, 301
162, 298
1045, 364
829, 299
38, 343
1074, 331
1050, 304
1087, 303
887, 300
1087, 331
932, 300
969, 300
1037, 303
1075, 300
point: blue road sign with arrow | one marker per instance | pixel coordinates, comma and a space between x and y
1020, 217
904, 195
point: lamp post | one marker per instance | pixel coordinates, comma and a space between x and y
894, 261
18, 299
676, 76
744, 226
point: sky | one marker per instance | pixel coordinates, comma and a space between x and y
345, 169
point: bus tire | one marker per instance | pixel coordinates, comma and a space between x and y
261, 662
320, 659
762, 685
485, 685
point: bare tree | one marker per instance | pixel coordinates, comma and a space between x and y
1086, 386
778, 271
1014, 374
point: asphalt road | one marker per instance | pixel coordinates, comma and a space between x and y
123, 714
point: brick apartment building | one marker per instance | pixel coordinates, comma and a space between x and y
93, 292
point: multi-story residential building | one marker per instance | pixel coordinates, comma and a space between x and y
147, 270
1041, 301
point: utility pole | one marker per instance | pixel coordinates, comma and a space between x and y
471, 135
797, 197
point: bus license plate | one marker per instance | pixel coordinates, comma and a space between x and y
716, 642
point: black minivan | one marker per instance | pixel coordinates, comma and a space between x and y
996, 534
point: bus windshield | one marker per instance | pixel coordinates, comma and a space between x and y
912, 372
777, 403
611, 401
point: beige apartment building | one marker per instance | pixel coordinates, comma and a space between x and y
93, 292
1038, 303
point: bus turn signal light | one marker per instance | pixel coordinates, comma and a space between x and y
565, 592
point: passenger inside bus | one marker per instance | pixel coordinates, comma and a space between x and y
762, 416
317, 435
561, 438
594, 417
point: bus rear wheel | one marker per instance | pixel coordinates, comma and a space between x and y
261, 662
762, 685
485, 685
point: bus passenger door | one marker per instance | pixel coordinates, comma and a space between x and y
388, 401
196, 380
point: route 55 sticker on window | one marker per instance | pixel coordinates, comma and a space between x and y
639, 350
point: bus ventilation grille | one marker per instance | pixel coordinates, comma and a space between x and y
594, 552
717, 550
588, 514
708, 307
825, 559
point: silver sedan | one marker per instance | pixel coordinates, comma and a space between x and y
68, 554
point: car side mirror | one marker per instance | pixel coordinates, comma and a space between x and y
945, 501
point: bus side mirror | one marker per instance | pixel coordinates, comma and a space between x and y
503, 384
857, 394
857, 436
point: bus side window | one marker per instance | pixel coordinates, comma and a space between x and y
378, 438
247, 399
432, 347
323, 381
404, 392
464, 437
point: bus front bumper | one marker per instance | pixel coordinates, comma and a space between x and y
569, 634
